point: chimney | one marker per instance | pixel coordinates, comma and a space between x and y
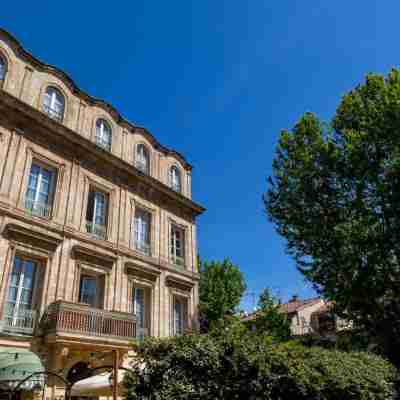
294, 298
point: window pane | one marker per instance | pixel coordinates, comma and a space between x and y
34, 177
29, 275
53, 103
3, 68
88, 291
12, 294
20, 292
139, 306
26, 297
16, 273
90, 207
103, 134
100, 208
178, 316
175, 179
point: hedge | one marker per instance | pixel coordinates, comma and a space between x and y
196, 367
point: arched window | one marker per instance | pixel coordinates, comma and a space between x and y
175, 179
3, 70
142, 159
54, 103
103, 134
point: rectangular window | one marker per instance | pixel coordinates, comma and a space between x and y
177, 246
19, 313
179, 315
91, 290
141, 308
96, 214
141, 231
39, 195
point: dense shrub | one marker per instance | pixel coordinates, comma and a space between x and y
197, 367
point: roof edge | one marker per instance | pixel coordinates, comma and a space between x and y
34, 61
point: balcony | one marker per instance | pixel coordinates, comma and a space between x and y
20, 322
37, 208
53, 113
65, 319
103, 143
142, 247
178, 261
97, 231
142, 166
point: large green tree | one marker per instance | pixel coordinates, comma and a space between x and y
221, 288
335, 197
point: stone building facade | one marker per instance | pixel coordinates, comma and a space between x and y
97, 225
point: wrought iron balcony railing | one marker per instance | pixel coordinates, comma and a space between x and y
53, 113
73, 318
96, 230
21, 321
176, 187
143, 247
38, 208
142, 166
178, 261
104, 144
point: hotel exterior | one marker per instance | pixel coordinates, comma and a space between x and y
97, 227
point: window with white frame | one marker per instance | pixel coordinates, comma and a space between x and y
142, 159
175, 180
96, 214
103, 134
39, 195
19, 308
142, 231
3, 70
177, 245
54, 103
179, 315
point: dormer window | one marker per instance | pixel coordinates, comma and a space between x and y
175, 179
54, 103
142, 159
3, 71
103, 134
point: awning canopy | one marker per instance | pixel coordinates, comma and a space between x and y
98, 385
17, 364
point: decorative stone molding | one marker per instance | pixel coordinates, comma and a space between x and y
30, 235
175, 282
92, 255
143, 271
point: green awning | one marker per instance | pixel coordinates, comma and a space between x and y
17, 364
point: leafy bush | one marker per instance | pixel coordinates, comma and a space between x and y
197, 367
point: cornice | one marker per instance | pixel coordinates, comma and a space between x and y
86, 147
75, 89
56, 233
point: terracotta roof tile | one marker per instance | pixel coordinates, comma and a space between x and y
296, 305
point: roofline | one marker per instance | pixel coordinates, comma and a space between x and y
27, 56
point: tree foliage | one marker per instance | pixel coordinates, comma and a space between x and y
269, 319
221, 288
197, 367
335, 197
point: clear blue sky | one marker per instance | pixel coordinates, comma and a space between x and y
217, 81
